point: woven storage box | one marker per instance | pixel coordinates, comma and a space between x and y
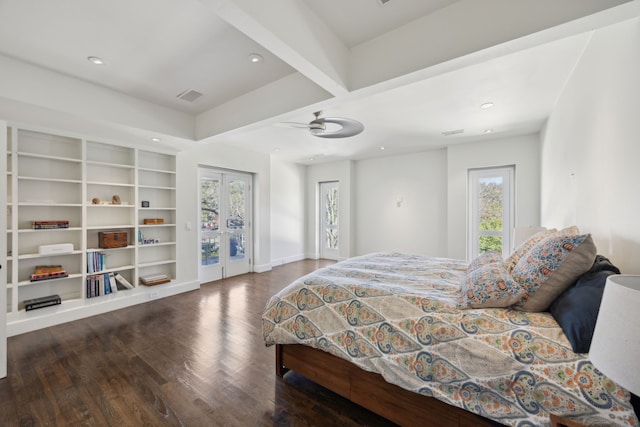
112, 239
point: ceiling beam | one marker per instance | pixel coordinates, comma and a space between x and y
291, 31
467, 27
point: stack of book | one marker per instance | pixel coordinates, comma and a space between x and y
156, 279
101, 284
105, 284
46, 272
96, 261
49, 225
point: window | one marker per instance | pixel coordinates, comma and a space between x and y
491, 209
329, 229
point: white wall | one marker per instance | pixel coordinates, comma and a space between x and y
220, 156
521, 151
401, 204
417, 203
591, 150
343, 173
287, 186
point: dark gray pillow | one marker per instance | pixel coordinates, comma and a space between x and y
576, 309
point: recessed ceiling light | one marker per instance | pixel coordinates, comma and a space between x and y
486, 105
255, 58
488, 131
95, 60
156, 139
382, 148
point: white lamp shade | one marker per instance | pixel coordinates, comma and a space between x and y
615, 348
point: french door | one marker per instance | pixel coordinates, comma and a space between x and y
225, 224
329, 231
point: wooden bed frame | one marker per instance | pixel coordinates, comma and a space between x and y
371, 391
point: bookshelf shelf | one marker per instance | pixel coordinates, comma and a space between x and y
49, 157
111, 184
53, 177
156, 263
35, 256
110, 227
110, 206
156, 225
145, 245
172, 172
110, 249
41, 282
156, 187
111, 165
112, 270
35, 178
49, 230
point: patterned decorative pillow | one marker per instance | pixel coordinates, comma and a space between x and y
551, 266
485, 258
490, 286
570, 230
524, 247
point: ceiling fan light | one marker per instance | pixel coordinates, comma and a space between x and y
316, 127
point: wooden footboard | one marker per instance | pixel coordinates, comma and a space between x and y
371, 391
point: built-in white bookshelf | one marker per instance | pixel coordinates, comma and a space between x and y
157, 189
92, 187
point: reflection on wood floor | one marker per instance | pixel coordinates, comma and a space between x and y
195, 359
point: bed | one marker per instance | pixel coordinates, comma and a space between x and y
423, 352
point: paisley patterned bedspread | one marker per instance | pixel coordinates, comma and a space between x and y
396, 315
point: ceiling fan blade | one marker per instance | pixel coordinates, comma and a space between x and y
349, 128
291, 125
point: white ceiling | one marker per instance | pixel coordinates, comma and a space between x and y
409, 70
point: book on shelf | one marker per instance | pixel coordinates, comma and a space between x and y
156, 279
113, 286
123, 281
41, 302
48, 225
46, 272
96, 261
101, 284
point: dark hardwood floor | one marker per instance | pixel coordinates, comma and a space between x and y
195, 359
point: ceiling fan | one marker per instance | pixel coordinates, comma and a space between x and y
318, 126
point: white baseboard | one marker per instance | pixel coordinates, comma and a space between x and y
261, 268
287, 260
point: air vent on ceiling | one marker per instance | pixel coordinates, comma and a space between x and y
383, 2
453, 132
190, 95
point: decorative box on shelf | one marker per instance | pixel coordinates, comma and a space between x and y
55, 249
153, 221
112, 239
